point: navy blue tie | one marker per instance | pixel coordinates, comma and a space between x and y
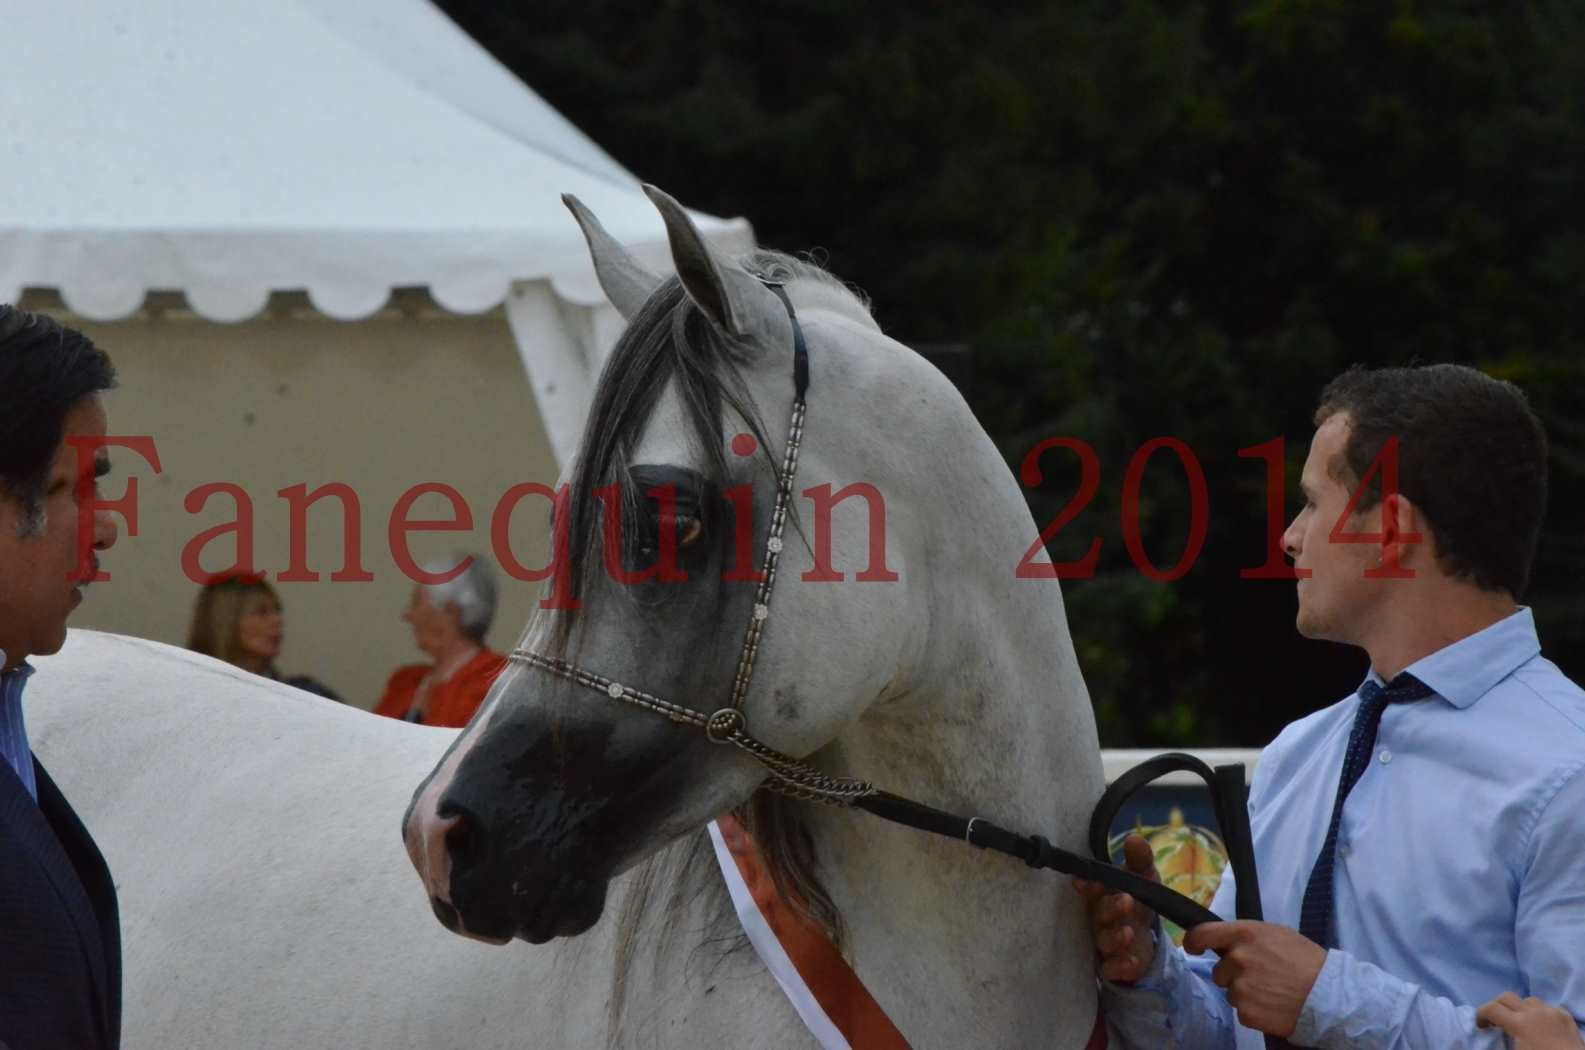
1315, 917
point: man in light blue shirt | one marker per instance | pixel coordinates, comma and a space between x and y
1427, 833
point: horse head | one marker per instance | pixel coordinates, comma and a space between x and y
667, 519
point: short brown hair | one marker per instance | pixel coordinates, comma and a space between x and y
1472, 457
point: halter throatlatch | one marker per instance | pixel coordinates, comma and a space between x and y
797, 779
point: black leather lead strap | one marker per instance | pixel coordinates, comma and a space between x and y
1232, 816
1035, 851
1228, 797
1229, 800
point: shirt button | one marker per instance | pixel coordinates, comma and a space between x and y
1386, 755
1343, 851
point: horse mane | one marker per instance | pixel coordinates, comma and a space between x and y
670, 341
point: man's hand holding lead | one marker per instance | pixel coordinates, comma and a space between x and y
1123, 928
1266, 969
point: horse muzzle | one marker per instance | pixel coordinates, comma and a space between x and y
479, 890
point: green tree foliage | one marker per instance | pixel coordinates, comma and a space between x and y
1149, 218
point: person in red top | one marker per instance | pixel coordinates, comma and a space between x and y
449, 622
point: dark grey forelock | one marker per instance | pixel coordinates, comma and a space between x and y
668, 342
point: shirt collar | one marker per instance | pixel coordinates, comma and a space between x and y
1467, 670
19, 673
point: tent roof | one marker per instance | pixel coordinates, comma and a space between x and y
414, 39
228, 149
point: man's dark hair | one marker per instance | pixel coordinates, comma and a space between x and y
1472, 456
45, 369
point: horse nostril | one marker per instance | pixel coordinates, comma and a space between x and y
446, 914
459, 837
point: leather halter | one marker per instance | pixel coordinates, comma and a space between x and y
795, 778
729, 725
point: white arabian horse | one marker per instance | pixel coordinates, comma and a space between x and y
252, 829
942, 678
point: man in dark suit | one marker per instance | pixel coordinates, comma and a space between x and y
60, 941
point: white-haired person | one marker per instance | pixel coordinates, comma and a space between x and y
449, 622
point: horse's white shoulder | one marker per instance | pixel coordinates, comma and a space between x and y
126, 724
176, 763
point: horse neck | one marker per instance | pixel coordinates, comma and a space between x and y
996, 722
959, 947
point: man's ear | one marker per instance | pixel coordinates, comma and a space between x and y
1401, 532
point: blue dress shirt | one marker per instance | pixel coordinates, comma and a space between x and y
1460, 863
13, 732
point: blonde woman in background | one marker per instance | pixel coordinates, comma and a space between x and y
239, 619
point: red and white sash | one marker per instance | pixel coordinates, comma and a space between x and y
822, 987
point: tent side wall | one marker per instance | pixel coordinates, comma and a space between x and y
408, 396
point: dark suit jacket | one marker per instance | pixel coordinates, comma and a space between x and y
60, 935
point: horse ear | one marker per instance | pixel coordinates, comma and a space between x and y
736, 302
625, 281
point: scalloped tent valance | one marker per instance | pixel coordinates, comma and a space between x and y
105, 275
228, 150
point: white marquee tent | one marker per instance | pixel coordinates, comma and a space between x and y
295, 224
228, 150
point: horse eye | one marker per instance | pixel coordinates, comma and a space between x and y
690, 529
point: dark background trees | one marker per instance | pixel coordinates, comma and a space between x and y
1145, 218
